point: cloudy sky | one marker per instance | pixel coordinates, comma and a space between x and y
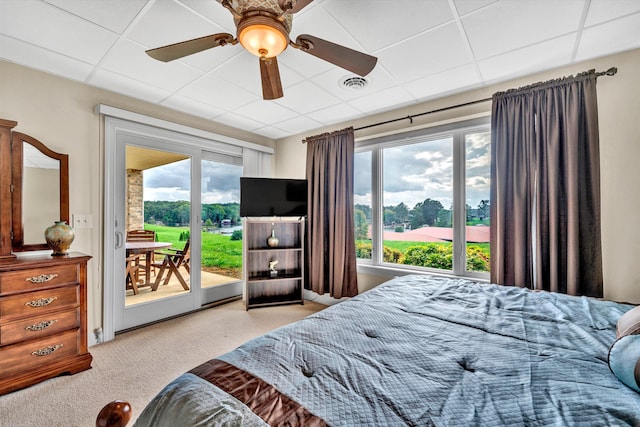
220, 182
412, 173
415, 172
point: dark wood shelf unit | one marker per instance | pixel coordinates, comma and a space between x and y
261, 289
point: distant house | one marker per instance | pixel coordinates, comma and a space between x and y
474, 234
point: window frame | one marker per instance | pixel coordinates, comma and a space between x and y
456, 130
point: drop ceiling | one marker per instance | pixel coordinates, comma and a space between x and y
425, 48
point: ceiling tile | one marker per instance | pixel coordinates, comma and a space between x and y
322, 24
455, 80
430, 53
128, 58
115, 15
531, 59
42, 59
303, 63
271, 132
615, 36
331, 81
268, 111
218, 93
191, 106
213, 11
380, 100
307, 96
31, 21
467, 6
298, 124
512, 24
395, 20
211, 59
244, 71
605, 10
238, 121
127, 86
168, 22
336, 114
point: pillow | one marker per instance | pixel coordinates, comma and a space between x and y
624, 360
624, 353
629, 323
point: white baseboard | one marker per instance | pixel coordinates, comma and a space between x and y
321, 299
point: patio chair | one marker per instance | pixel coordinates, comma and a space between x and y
172, 260
132, 270
143, 236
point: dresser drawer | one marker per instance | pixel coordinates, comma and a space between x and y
40, 302
39, 326
37, 278
40, 352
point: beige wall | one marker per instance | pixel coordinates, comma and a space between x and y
619, 118
60, 113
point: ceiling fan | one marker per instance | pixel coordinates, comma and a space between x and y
262, 28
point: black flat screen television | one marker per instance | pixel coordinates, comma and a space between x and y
273, 197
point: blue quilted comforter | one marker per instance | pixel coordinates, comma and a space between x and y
423, 351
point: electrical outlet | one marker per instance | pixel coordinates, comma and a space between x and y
82, 221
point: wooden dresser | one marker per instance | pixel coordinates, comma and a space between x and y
43, 319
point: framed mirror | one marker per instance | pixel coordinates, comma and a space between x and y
40, 179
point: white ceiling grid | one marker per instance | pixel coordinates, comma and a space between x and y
425, 48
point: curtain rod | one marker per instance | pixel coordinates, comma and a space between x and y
610, 72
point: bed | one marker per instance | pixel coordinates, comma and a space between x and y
419, 351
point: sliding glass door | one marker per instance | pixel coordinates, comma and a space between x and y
158, 225
221, 237
172, 231
154, 234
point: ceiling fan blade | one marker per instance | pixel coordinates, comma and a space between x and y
270, 76
349, 59
293, 6
179, 50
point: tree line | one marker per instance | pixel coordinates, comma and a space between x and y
429, 213
179, 212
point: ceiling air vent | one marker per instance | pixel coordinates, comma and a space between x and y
354, 82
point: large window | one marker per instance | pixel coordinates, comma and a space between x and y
422, 199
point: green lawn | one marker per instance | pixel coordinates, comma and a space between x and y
219, 253
222, 255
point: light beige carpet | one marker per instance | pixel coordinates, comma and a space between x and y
138, 364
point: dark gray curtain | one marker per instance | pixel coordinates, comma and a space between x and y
545, 187
330, 241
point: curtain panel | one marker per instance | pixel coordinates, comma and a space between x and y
331, 243
545, 187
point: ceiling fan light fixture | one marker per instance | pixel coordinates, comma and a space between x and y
262, 36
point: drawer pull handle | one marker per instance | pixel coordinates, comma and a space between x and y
40, 326
47, 350
41, 302
43, 278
